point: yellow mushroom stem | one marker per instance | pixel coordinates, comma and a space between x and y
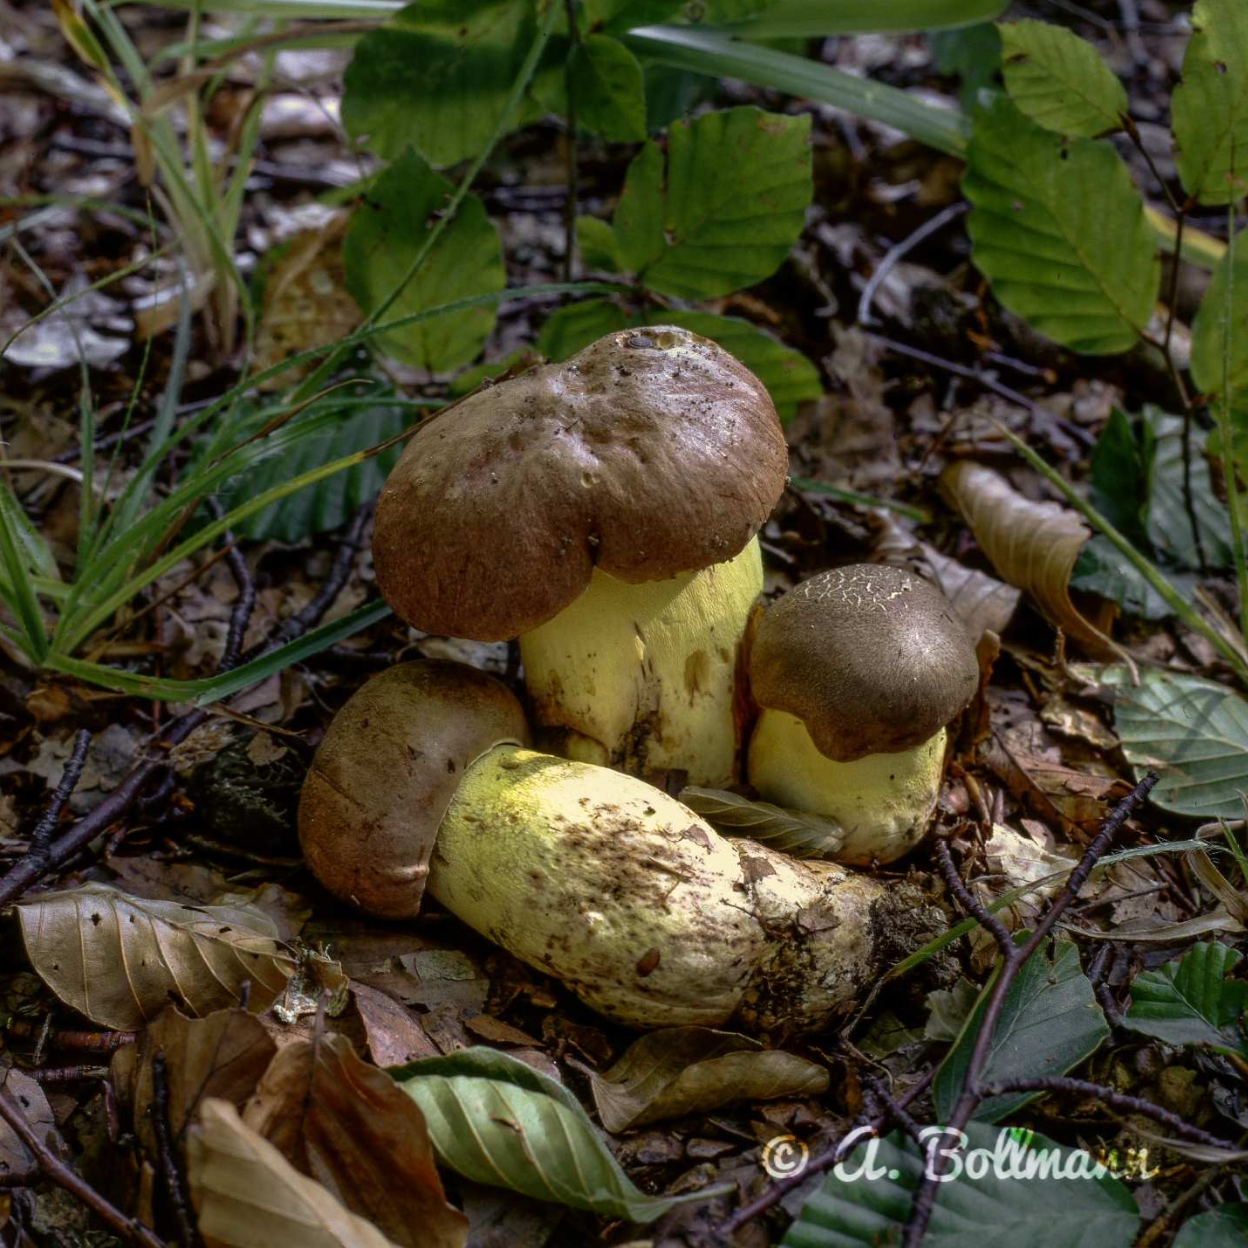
644, 911
882, 801
646, 678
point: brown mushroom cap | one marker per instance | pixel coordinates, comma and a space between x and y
386, 772
650, 453
871, 659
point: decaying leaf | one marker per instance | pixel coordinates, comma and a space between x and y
791, 831
1032, 545
15, 1158
393, 1035
120, 960
221, 1056
247, 1195
353, 1129
982, 603
692, 1070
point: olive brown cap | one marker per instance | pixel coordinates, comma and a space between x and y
870, 658
385, 775
650, 453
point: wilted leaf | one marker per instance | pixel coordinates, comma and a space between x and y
1050, 1023
1059, 230
499, 1122
948, 1010
607, 88
350, 1127
793, 832
693, 227
15, 1159
247, 1195
1192, 1001
1033, 546
120, 960
980, 601
1059, 80
222, 1056
693, 1070
384, 237
1192, 732
865, 1202
1209, 107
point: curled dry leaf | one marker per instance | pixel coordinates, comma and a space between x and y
350, 1127
120, 960
1032, 545
15, 1158
247, 1195
692, 1070
223, 1056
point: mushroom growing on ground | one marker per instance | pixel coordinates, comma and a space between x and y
585, 873
858, 672
603, 510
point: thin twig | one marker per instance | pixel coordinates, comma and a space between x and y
167, 1159
245, 603
68, 1180
569, 206
902, 249
41, 837
67, 1074
966, 900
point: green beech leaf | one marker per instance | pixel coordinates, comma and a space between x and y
1103, 569
1209, 108
1059, 80
596, 240
1059, 230
727, 208
1221, 330
497, 1121
1191, 1001
1223, 1227
607, 88
382, 240
858, 1207
1050, 1023
1192, 732
789, 376
694, 1070
437, 76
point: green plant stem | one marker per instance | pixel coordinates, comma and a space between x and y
1226, 429
919, 514
1173, 598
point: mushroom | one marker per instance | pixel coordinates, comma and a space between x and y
858, 672
603, 510
589, 875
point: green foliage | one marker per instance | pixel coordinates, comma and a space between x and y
596, 240
861, 1207
1059, 80
497, 1121
606, 85
1192, 1001
1219, 336
973, 53
1060, 231
1210, 105
1223, 1227
1050, 1023
384, 238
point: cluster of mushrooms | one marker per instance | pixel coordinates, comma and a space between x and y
605, 511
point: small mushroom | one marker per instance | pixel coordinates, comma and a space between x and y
858, 672
587, 874
603, 510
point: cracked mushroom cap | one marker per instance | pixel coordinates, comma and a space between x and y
650, 453
386, 772
870, 658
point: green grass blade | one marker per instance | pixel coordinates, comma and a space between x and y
19, 584
919, 514
810, 19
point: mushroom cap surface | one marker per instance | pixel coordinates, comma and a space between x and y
650, 453
390, 763
871, 658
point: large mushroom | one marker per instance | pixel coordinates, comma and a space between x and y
858, 672
603, 510
589, 875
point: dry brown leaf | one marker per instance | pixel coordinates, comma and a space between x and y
686, 1070
223, 1056
353, 1129
120, 960
982, 603
393, 1034
247, 1195
1032, 545
15, 1158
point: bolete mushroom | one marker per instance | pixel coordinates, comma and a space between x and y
587, 874
604, 511
858, 672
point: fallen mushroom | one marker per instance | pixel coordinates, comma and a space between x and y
585, 873
859, 670
603, 510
